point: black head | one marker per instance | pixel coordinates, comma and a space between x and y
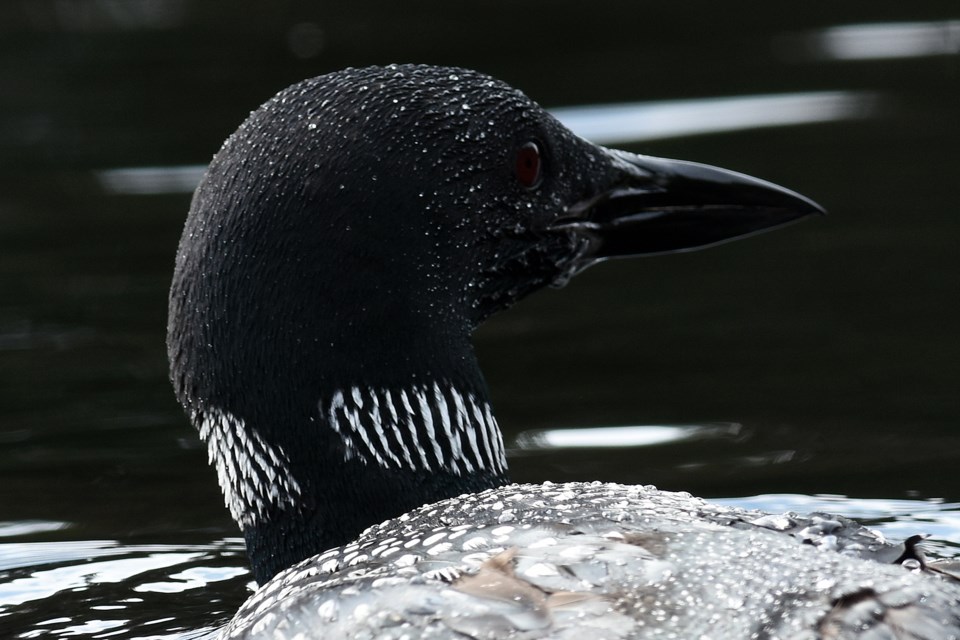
343, 245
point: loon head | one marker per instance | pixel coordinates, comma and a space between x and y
342, 247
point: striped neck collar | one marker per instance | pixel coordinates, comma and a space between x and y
363, 454
422, 428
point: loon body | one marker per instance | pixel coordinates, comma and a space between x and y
343, 245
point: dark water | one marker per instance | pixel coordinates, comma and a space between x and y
815, 367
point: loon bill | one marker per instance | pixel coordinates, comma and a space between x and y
343, 245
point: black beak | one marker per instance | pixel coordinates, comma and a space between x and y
657, 206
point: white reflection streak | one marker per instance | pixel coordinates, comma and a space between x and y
887, 40
945, 513
637, 122
192, 578
46, 582
151, 180
29, 527
640, 436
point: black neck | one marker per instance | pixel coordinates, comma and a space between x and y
303, 472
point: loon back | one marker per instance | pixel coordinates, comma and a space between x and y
342, 247
603, 561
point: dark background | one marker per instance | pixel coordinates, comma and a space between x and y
833, 343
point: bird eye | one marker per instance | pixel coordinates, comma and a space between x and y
528, 165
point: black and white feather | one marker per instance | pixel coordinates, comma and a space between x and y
603, 561
419, 429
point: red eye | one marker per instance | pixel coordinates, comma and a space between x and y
528, 165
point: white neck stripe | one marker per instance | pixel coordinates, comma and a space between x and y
432, 428
411, 426
253, 475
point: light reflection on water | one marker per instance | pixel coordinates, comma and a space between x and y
77, 564
885, 40
29, 527
114, 581
151, 180
896, 519
622, 437
640, 122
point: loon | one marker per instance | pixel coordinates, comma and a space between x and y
341, 248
